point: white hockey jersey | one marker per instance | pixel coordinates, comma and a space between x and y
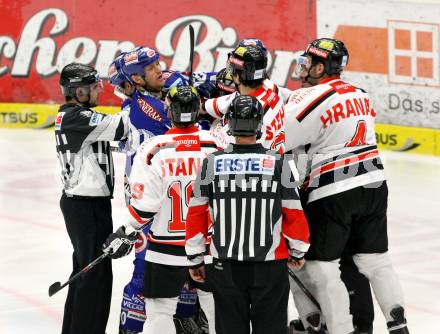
162, 177
272, 98
331, 126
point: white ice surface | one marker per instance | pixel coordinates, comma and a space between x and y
35, 250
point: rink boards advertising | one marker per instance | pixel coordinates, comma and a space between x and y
38, 38
394, 55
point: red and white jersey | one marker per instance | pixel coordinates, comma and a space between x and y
161, 180
272, 98
332, 124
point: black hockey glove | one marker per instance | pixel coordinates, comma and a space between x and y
119, 243
208, 90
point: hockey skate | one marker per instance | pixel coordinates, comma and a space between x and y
296, 327
187, 326
202, 322
398, 326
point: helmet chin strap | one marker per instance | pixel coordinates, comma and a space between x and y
237, 85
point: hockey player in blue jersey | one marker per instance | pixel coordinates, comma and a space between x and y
140, 81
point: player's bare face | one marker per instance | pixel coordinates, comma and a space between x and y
303, 65
95, 89
316, 73
89, 94
309, 73
154, 80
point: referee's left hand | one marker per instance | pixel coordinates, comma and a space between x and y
198, 274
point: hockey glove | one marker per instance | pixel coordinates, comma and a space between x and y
208, 90
119, 243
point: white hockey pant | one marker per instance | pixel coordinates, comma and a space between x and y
303, 304
160, 312
379, 271
323, 279
206, 300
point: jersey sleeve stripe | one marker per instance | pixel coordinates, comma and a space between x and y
294, 204
315, 103
156, 149
342, 163
216, 110
196, 244
158, 240
197, 220
166, 145
294, 226
142, 217
344, 155
328, 174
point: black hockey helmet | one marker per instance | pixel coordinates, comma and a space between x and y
253, 41
249, 62
332, 53
245, 116
184, 104
76, 75
225, 82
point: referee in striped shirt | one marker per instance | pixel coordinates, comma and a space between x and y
249, 195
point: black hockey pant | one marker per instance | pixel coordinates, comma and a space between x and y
88, 223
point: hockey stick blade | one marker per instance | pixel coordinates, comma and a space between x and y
54, 288
191, 53
57, 286
303, 288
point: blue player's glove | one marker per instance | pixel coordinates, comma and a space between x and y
208, 90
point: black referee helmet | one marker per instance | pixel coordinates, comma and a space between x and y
245, 116
76, 75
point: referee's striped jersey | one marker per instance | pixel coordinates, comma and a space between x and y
249, 194
82, 136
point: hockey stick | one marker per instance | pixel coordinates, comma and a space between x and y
191, 54
57, 286
303, 288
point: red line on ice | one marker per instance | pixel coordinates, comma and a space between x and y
35, 303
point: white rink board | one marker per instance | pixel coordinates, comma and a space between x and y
35, 250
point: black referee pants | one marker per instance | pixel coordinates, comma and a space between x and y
88, 223
250, 292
